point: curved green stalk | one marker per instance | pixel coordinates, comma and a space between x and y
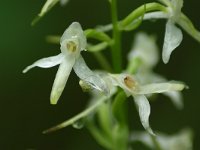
140, 12
134, 15
116, 47
103, 61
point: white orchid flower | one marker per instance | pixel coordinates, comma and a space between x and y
49, 4
180, 141
132, 87
47, 7
173, 35
146, 49
72, 42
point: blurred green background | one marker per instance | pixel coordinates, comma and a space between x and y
25, 110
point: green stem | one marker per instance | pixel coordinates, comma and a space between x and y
116, 47
119, 108
102, 61
155, 142
140, 12
99, 135
135, 14
134, 65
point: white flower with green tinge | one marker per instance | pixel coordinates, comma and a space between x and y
72, 42
180, 141
132, 87
47, 7
146, 50
173, 35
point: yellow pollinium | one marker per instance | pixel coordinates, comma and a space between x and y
129, 82
71, 46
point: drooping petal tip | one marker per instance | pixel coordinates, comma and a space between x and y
26, 69
53, 100
173, 38
46, 62
144, 110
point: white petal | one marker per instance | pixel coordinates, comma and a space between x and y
173, 38
179, 141
75, 31
61, 79
84, 73
142, 137
64, 2
145, 48
176, 98
46, 62
47, 6
144, 109
160, 88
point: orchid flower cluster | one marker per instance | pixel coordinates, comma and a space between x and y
106, 117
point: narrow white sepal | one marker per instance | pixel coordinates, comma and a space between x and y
160, 88
178, 141
47, 6
46, 62
144, 110
173, 38
61, 78
84, 73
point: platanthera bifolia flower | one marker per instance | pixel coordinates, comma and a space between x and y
132, 87
47, 7
72, 42
145, 49
173, 35
179, 141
